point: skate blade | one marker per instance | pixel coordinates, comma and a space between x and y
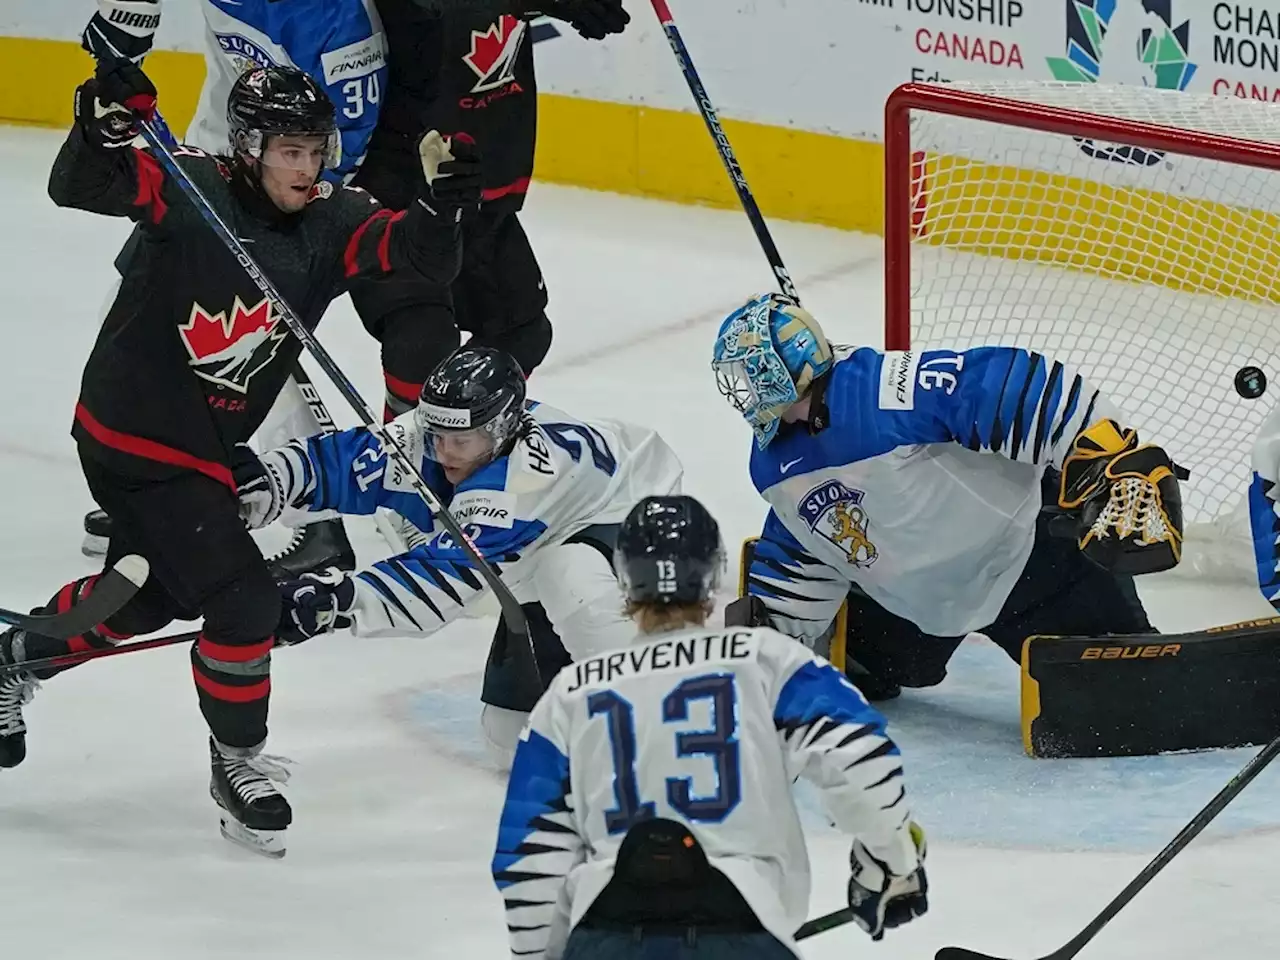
266, 843
94, 546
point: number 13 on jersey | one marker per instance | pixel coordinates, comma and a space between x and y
710, 755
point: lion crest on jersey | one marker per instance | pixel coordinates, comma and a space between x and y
230, 350
835, 511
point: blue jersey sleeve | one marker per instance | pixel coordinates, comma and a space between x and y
801, 593
1002, 400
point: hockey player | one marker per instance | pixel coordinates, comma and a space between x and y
915, 479
190, 358
649, 810
539, 492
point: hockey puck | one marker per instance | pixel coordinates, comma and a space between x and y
1251, 382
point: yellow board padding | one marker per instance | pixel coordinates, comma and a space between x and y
619, 147
61, 66
1178, 242
1029, 698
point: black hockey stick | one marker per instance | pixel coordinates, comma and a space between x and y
83, 656
731, 165
511, 611
828, 921
1184, 837
113, 590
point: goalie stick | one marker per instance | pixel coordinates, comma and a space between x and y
511, 611
828, 921
112, 591
1176, 845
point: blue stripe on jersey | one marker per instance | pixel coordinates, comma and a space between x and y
538, 786
818, 691
1265, 528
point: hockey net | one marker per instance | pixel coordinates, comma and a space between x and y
1130, 231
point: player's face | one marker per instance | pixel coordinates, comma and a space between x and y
461, 452
290, 167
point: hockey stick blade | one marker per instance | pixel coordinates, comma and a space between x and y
828, 921
113, 590
1148, 873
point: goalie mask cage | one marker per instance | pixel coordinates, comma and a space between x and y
1128, 231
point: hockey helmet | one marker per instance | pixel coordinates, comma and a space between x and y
668, 552
471, 406
271, 101
767, 354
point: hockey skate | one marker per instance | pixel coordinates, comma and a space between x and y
254, 814
15, 692
97, 534
317, 546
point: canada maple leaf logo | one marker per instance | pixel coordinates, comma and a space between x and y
493, 52
228, 351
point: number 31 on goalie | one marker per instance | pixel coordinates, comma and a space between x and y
933, 375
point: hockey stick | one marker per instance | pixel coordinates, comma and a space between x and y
828, 921
731, 164
315, 403
113, 590
1184, 837
510, 606
83, 656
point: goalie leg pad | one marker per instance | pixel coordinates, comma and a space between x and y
1150, 693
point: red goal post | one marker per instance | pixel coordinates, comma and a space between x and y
1130, 231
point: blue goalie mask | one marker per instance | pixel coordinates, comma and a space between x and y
768, 352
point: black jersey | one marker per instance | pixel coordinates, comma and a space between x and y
470, 70
191, 355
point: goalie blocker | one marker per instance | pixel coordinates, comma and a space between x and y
1145, 694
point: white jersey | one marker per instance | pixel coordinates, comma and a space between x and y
706, 727
563, 476
923, 487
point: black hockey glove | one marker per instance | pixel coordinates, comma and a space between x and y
315, 603
452, 169
1127, 500
593, 19
122, 29
879, 899
109, 106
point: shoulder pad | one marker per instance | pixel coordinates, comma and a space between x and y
361, 192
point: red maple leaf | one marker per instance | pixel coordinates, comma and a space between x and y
487, 48
207, 335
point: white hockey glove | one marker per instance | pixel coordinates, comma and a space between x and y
122, 30
879, 899
313, 604
1129, 502
268, 483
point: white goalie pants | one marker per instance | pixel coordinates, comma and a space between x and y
577, 589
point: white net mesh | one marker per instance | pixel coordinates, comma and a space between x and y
1156, 273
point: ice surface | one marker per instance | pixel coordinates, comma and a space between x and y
108, 841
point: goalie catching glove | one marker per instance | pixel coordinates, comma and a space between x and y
880, 899
1127, 497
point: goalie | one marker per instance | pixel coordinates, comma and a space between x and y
930, 491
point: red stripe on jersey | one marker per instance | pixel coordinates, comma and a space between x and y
351, 257
230, 694
150, 449
516, 186
150, 185
384, 245
239, 653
